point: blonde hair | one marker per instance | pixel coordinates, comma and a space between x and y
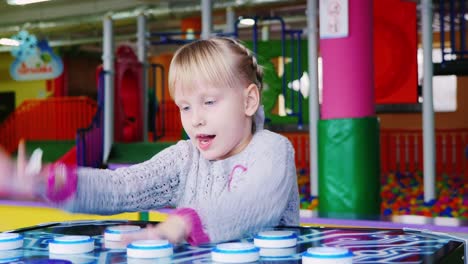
217, 61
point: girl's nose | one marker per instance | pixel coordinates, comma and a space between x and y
197, 119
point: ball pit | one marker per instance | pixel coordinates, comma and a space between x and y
402, 194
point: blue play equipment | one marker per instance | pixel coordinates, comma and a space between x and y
294, 36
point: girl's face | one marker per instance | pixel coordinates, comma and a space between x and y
215, 118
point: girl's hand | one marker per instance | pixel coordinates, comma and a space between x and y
174, 229
7, 173
23, 178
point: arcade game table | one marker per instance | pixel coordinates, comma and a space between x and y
368, 245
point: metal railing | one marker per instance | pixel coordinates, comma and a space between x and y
453, 22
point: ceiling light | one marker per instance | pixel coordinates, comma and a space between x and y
247, 21
9, 42
24, 2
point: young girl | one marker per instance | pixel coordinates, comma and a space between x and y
231, 178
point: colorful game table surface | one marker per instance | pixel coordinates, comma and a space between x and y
368, 245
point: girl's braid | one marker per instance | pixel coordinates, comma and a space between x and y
257, 69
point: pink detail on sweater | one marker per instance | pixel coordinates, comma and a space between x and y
196, 235
238, 166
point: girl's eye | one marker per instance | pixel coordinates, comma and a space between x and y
185, 108
210, 102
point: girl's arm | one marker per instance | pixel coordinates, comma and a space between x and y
149, 185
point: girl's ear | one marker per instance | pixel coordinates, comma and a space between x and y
251, 99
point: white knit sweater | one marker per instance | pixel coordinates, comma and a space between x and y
240, 195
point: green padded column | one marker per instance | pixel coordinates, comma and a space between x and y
349, 168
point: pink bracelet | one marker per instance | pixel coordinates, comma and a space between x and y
69, 187
196, 235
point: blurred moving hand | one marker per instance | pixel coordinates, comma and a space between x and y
21, 178
174, 229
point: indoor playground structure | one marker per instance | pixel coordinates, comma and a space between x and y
370, 164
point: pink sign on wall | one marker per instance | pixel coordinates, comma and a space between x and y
334, 18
